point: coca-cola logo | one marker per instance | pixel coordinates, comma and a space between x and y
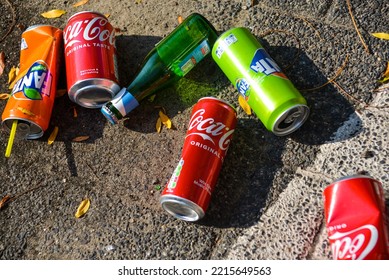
209, 129
89, 30
355, 244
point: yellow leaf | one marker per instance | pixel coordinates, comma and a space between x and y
53, 14
4, 96
381, 35
83, 2
243, 103
83, 208
107, 15
165, 120
12, 74
179, 19
158, 125
385, 76
80, 138
52, 136
151, 98
25, 111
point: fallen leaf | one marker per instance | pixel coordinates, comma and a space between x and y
80, 138
179, 19
4, 96
165, 120
107, 15
25, 111
381, 35
83, 208
60, 92
158, 125
151, 98
2, 62
12, 75
74, 112
52, 136
53, 14
83, 2
4, 200
243, 103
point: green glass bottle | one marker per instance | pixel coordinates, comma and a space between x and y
171, 59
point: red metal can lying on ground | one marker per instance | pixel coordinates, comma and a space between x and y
355, 213
90, 57
188, 192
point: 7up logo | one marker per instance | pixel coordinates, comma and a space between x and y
262, 63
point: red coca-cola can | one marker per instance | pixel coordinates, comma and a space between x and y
90, 57
355, 212
188, 192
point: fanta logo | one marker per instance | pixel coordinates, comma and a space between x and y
210, 130
264, 64
355, 244
89, 30
36, 82
243, 86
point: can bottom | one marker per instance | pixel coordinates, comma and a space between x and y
26, 129
93, 93
290, 120
181, 208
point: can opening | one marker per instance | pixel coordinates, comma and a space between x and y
25, 129
291, 120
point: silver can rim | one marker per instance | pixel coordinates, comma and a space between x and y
30, 136
198, 212
296, 124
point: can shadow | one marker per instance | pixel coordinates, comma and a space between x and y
253, 173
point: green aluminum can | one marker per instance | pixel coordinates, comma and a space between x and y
270, 94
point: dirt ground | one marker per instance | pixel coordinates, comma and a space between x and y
267, 203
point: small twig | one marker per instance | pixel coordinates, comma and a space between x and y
356, 28
9, 198
337, 74
12, 25
297, 55
310, 25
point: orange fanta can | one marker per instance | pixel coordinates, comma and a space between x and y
28, 110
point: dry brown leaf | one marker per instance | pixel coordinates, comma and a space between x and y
4, 96
83, 2
75, 112
53, 13
4, 200
80, 138
82, 208
52, 136
381, 35
243, 103
12, 75
165, 120
61, 92
158, 125
2, 62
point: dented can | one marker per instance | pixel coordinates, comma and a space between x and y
32, 98
261, 82
188, 192
356, 221
90, 57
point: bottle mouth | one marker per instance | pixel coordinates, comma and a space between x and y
109, 115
